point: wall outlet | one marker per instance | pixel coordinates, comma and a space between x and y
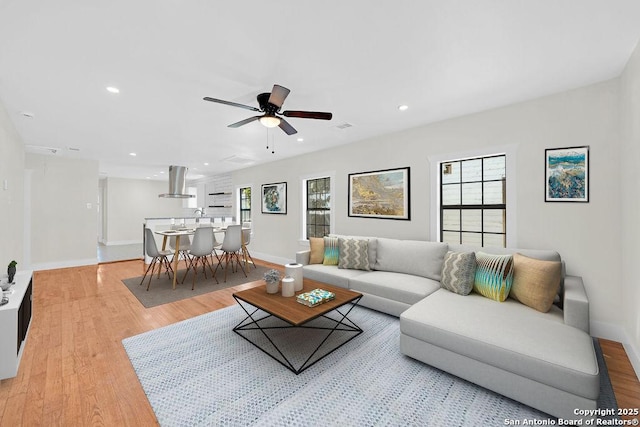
88, 205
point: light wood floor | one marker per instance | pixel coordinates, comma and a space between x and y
75, 372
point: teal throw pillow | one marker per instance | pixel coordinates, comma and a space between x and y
331, 251
494, 275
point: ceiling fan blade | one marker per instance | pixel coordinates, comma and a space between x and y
244, 122
233, 104
308, 114
278, 95
286, 127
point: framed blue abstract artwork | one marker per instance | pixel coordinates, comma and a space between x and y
274, 198
567, 174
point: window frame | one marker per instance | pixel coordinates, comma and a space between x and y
240, 199
435, 162
303, 201
482, 206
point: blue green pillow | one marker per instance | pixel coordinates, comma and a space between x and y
494, 275
331, 251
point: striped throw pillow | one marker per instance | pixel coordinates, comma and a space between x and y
494, 275
354, 254
331, 251
458, 272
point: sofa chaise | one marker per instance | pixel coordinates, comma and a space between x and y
541, 357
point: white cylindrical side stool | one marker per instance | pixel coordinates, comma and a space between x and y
288, 287
295, 270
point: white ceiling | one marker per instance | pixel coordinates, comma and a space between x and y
358, 59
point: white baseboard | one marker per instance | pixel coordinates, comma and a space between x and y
123, 242
617, 333
271, 258
63, 264
634, 356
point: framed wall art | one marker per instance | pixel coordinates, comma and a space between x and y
566, 174
274, 198
380, 194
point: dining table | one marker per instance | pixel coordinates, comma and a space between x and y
178, 233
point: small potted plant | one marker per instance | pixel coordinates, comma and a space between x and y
11, 270
272, 277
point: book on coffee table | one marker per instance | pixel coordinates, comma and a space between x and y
315, 297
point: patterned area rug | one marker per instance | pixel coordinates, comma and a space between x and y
162, 292
200, 373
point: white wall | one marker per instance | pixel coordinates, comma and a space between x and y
128, 202
587, 235
630, 203
63, 226
11, 198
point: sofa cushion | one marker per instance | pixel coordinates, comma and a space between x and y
330, 274
535, 282
316, 245
509, 336
354, 253
331, 251
400, 287
494, 275
458, 272
372, 245
420, 258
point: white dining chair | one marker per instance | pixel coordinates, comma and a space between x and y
158, 257
201, 248
231, 246
247, 231
185, 245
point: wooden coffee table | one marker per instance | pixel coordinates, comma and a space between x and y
262, 308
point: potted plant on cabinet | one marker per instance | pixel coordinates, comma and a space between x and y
11, 270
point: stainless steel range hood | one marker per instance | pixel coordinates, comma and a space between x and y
177, 183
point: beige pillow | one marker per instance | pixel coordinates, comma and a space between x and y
535, 282
317, 250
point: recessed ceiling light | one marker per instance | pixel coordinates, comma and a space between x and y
132, 154
403, 107
113, 89
206, 164
300, 139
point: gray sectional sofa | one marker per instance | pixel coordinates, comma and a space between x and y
543, 359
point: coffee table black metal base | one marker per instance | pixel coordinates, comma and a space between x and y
257, 320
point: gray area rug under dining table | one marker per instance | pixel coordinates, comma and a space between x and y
161, 290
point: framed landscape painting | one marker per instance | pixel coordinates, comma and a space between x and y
380, 194
567, 174
274, 198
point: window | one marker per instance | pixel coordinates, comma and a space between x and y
473, 195
245, 204
318, 207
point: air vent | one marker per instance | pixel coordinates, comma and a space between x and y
344, 125
239, 160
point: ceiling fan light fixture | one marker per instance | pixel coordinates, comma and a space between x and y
270, 121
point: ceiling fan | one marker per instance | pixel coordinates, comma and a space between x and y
270, 104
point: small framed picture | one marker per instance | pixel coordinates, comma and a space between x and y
274, 198
566, 174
